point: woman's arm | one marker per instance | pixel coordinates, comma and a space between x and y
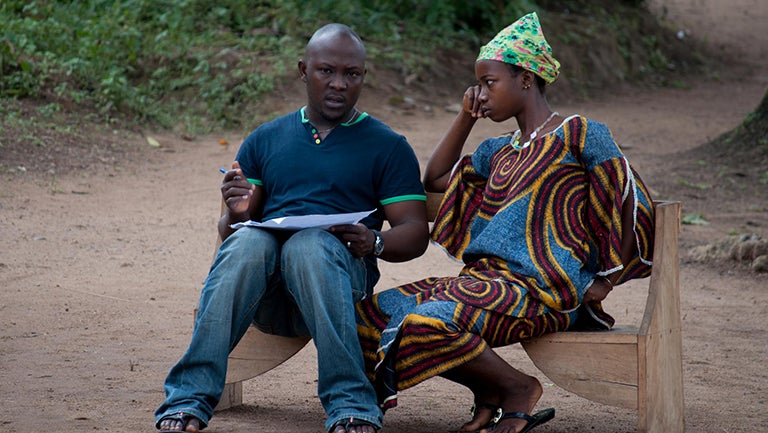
449, 149
603, 285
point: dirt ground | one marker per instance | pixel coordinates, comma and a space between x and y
100, 269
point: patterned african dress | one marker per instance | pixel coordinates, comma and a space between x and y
534, 227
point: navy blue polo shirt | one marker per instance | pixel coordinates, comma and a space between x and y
359, 166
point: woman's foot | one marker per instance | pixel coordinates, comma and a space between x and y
531, 420
520, 399
482, 413
180, 422
497, 384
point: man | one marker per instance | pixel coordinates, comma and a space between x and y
326, 158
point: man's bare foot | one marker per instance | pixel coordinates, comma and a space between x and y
355, 429
180, 422
353, 426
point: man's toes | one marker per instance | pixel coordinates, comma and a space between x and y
171, 425
193, 425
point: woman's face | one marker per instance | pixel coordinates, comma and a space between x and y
501, 92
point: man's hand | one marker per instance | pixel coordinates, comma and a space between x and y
236, 191
357, 238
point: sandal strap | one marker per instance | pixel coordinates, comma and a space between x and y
533, 421
501, 415
475, 406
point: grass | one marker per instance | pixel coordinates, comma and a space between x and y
207, 64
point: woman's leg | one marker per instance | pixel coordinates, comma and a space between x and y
496, 383
454, 340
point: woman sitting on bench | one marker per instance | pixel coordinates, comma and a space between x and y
546, 219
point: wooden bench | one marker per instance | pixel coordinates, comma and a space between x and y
635, 367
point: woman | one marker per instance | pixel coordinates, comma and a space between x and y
547, 219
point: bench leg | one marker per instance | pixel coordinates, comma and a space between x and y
231, 397
661, 407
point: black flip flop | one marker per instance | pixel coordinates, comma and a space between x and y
472, 412
534, 420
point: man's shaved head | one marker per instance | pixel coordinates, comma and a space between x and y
331, 33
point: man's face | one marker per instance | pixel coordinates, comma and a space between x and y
334, 71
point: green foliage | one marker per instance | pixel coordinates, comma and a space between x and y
694, 219
209, 63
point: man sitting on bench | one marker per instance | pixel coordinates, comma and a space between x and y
326, 158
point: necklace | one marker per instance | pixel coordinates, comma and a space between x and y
516, 143
354, 113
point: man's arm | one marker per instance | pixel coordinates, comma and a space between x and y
408, 236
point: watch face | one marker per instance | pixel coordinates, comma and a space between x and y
378, 245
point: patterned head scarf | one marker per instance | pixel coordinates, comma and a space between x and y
522, 43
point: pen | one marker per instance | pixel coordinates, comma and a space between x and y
223, 170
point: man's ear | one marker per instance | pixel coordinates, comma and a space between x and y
302, 70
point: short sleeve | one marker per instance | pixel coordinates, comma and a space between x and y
481, 157
460, 205
612, 181
399, 177
248, 159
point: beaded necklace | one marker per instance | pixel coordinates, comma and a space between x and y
516, 142
316, 132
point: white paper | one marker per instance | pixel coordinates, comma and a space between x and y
307, 221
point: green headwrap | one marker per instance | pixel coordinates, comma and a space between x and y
523, 44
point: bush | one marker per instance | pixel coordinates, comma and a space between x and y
208, 63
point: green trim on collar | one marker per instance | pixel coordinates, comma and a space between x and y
305, 119
362, 116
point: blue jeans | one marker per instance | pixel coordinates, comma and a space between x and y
300, 284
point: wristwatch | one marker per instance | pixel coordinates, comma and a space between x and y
378, 243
